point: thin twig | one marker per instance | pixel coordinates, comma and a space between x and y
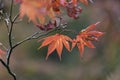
6, 23
15, 18
26, 39
8, 20
11, 9
8, 69
9, 52
4, 64
69, 30
33, 36
10, 35
10, 42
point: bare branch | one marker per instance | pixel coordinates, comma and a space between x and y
8, 69
11, 9
34, 36
15, 18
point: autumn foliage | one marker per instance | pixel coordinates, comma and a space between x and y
56, 42
38, 11
49, 18
44, 14
84, 38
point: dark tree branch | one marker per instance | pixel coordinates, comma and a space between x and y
26, 39
10, 24
9, 55
15, 18
9, 52
8, 69
11, 9
33, 36
10, 34
69, 30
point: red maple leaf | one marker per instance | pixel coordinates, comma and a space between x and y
56, 42
85, 38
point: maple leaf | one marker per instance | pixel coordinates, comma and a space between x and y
74, 2
1, 53
39, 11
56, 42
36, 10
85, 38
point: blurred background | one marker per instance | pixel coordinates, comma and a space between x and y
101, 63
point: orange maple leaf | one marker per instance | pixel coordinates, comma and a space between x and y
38, 11
85, 38
56, 42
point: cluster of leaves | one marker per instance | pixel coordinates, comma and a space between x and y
47, 15
39, 11
84, 38
44, 14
